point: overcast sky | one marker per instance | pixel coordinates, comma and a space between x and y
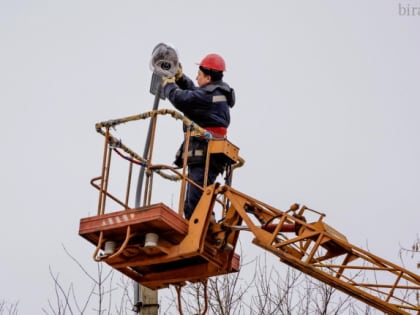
327, 115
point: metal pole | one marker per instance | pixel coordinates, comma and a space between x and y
145, 299
146, 151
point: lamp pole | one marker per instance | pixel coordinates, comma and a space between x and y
145, 299
164, 62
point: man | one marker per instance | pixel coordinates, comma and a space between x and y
208, 106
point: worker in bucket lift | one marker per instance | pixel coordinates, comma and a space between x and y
207, 105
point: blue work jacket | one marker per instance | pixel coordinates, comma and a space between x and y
207, 106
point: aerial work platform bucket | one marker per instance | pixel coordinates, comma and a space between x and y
156, 247
153, 244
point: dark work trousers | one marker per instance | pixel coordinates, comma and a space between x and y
196, 174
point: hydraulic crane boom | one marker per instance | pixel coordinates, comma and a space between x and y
325, 254
157, 247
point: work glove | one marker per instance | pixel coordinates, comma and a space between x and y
178, 74
166, 80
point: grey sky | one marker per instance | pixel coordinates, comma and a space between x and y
327, 114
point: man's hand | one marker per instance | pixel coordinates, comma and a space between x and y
166, 80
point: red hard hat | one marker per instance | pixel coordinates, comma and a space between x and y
214, 62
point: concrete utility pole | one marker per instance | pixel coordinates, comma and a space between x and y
147, 301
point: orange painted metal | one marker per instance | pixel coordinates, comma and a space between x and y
175, 259
325, 254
